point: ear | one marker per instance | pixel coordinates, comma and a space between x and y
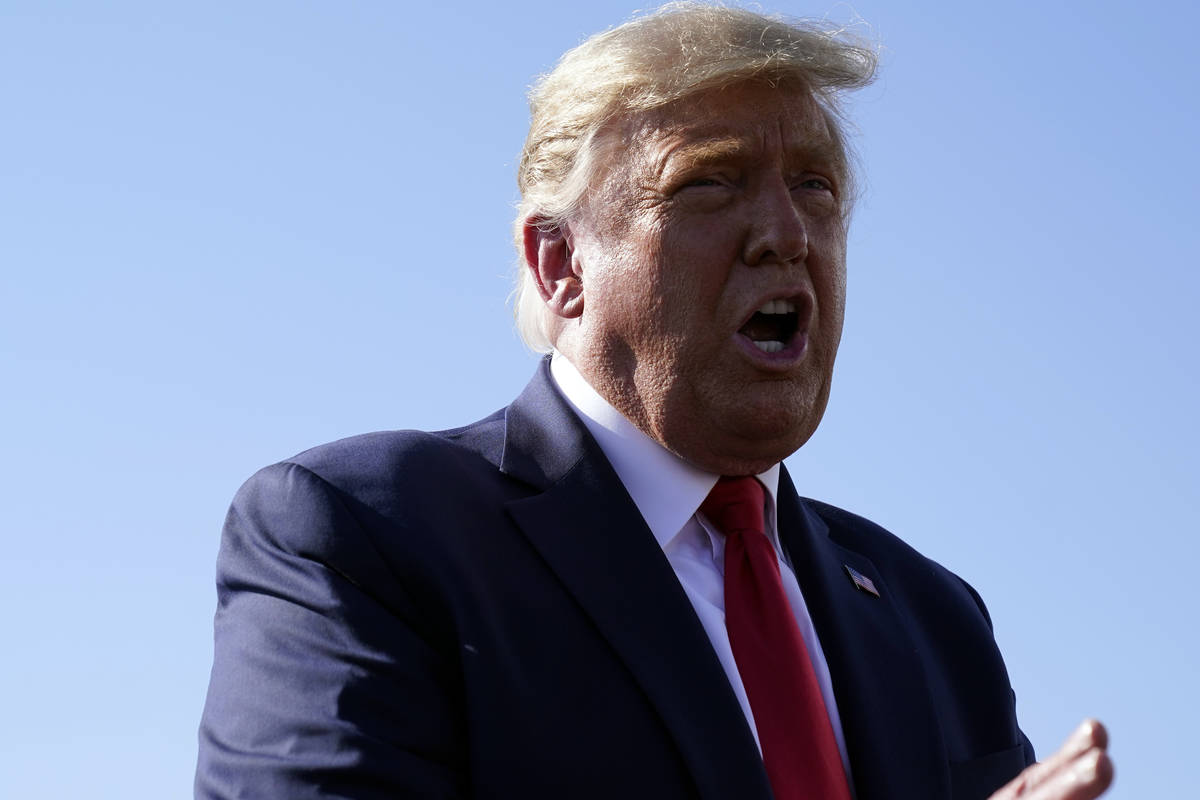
549, 258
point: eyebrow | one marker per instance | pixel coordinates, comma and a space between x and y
703, 153
718, 150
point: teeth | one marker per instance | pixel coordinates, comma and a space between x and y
778, 307
772, 346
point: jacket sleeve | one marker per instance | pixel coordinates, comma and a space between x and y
1027, 752
325, 682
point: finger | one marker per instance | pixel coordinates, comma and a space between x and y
1080, 766
1084, 778
1090, 734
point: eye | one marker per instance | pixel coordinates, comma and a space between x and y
707, 191
815, 183
816, 194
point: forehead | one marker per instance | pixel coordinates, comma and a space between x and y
749, 121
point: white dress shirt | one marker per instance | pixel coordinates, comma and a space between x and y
668, 492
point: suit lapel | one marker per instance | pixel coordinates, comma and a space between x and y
893, 739
591, 535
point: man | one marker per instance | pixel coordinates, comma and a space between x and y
611, 586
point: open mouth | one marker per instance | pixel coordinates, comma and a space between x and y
772, 327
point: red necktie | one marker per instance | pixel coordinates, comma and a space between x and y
799, 750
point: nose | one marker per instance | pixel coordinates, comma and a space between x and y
778, 234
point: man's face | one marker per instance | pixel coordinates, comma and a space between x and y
712, 260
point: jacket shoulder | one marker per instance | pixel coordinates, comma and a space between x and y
861, 534
354, 460
910, 571
364, 478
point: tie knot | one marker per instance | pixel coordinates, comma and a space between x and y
735, 505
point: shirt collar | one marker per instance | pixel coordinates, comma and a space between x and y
666, 489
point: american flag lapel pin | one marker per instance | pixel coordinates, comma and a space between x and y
863, 583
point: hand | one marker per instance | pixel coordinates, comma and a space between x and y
1080, 770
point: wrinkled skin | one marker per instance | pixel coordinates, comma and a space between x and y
704, 210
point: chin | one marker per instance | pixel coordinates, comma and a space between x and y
743, 432
751, 444
768, 445
773, 431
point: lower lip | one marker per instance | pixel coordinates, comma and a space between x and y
791, 355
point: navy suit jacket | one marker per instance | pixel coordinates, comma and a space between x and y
482, 612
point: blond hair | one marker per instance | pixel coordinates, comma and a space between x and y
677, 51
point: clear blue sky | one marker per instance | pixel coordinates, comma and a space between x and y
230, 231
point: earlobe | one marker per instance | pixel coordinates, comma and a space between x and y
550, 261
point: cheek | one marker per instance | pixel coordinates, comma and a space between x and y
829, 279
656, 287
837, 294
627, 296
698, 262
